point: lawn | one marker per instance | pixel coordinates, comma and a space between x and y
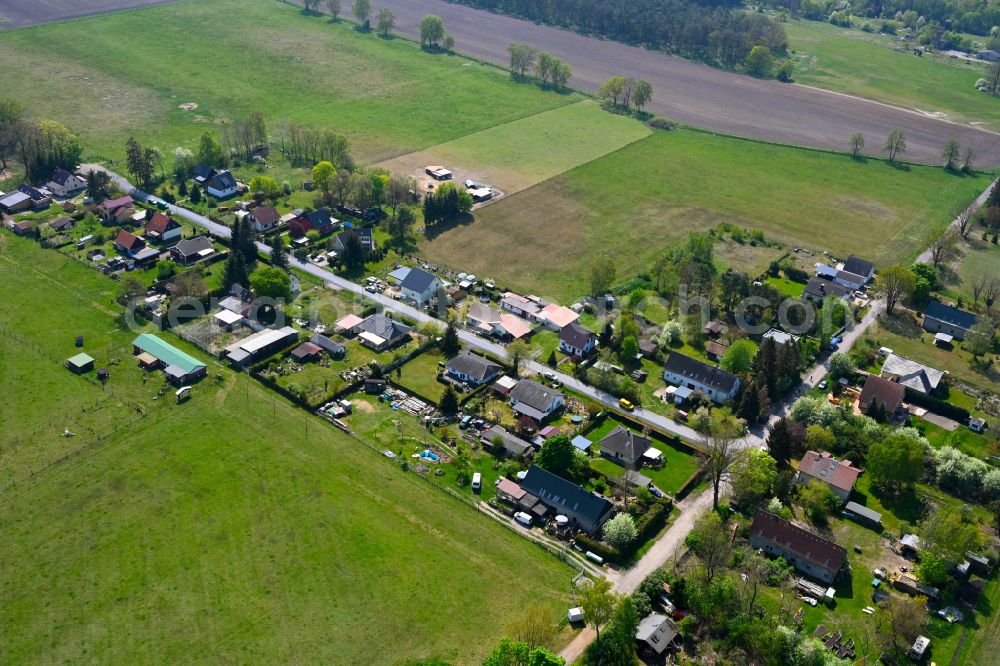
420, 375
522, 153
679, 462
867, 65
974, 444
633, 203
787, 287
980, 258
232, 526
902, 334
122, 74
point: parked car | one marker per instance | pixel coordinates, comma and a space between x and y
477, 482
523, 518
464, 423
626, 404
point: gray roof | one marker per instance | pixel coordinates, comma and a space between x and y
700, 372
657, 631
533, 394
326, 343
859, 266
950, 315
511, 443
915, 375
190, 246
222, 181
475, 366
382, 326
567, 498
625, 443
418, 280
853, 278
863, 511
820, 288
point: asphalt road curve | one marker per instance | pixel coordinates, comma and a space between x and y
704, 96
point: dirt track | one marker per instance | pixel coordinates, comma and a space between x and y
701, 95
19, 13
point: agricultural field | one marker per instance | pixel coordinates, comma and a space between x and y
633, 203
217, 526
867, 65
108, 79
522, 153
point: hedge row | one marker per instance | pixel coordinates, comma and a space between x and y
940, 407
646, 527
609, 553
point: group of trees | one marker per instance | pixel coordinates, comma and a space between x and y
623, 91
245, 137
547, 68
142, 162
446, 204
242, 254
433, 34
711, 32
40, 145
932, 22
312, 145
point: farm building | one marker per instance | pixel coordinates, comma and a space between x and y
863, 515
180, 367
260, 345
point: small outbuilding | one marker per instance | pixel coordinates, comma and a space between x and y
80, 363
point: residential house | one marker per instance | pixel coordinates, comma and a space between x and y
624, 446
780, 337
842, 276
116, 211
817, 289
576, 341
162, 228
473, 369
909, 373
941, 318
500, 440
655, 633
860, 267
222, 185
63, 224
264, 218
509, 491
886, 394
319, 221
379, 333
535, 401
15, 202
839, 475
128, 243
260, 345
719, 385
62, 183
484, 319
180, 367
364, 234
191, 250
201, 173
419, 286
556, 317
809, 553
41, 198
585, 510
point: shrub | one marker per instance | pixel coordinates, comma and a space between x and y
620, 531
609, 553
661, 123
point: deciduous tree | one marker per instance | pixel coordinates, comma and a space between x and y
271, 282
431, 30
522, 59
857, 143
893, 283
598, 604
385, 21
950, 153
895, 145
362, 11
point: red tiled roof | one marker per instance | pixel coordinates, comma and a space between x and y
838, 473
127, 239
159, 223
803, 543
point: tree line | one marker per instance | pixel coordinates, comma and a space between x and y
708, 31
526, 60
41, 145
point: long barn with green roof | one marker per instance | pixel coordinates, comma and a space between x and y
180, 367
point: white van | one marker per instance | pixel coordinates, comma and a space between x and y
523, 518
477, 482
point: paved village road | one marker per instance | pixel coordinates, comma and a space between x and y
705, 96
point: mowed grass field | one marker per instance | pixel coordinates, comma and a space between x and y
633, 203
522, 153
109, 77
230, 528
866, 65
